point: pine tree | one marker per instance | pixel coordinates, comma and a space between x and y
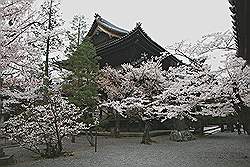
76, 33
80, 84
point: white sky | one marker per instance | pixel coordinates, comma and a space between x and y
165, 21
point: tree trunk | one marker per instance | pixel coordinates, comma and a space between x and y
242, 109
199, 128
1, 112
96, 139
48, 47
59, 138
73, 138
79, 33
117, 125
146, 135
90, 137
60, 148
48, 150
222, 128
53, 150
244, 115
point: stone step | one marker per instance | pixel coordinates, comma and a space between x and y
7, 160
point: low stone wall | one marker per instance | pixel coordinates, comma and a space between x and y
137, 134
6, 159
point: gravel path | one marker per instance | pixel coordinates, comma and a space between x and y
219, 150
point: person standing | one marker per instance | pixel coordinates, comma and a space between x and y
238, 127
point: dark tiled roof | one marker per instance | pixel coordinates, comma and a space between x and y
137, 31
137, 35
99, 21
110, 26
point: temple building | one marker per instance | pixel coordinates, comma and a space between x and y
241, 25
116, 46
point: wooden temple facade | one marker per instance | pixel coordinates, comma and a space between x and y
241, 25
116, 46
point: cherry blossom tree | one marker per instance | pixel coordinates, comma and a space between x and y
148, 92
236, 77
16, 37
27, 36
187, 91
45, 125
201, 49
230, 89
51, 35
20, 63
13, 25
134, 92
